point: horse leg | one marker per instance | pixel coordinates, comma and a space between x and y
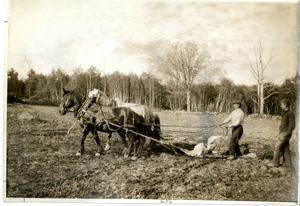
151, 145
131, 145
141, 146
140, 142
81, 148
136, 145
135, 151
100, 148
123, 137
107, 146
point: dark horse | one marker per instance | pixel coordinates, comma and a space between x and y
93, 117
153, 121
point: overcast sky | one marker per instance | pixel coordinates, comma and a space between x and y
128, 36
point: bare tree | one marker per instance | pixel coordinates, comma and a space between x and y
257, 67
27, 64
184, 62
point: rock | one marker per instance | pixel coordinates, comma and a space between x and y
218, 144
180, 189
197, 184
25, 116
263, 168
251, 155
152, 170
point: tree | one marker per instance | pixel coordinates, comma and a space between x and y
12, 82
257, 67
27, 64
184, 61
288, 90
225, 95
31, 82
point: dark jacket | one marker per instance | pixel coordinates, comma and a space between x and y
287, 122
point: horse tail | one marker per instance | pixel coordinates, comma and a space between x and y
157, 126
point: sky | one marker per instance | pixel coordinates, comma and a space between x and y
129, 36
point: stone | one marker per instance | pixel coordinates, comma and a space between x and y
264, 168
152, 170
180, 189
219, 144
252, 155
25, 116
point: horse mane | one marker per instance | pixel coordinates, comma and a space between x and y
77, 98
105, 100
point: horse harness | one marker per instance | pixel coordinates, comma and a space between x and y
86, 105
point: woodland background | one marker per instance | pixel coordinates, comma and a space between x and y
182, 83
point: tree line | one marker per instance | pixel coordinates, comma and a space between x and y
184, 85
145, 89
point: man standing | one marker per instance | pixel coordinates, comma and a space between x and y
236, 118
286, 128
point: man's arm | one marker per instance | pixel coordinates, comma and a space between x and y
228, 119
291, 124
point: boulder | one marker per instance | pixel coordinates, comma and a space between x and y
218, 144
252, 155
25, 116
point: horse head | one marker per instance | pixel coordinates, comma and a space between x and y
70, 99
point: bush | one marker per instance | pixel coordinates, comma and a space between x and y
210, 107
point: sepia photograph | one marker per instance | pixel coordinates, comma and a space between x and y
190, 102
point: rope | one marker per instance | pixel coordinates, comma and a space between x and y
160, 142
180, 126
71, 127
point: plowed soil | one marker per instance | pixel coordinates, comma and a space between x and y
41, 162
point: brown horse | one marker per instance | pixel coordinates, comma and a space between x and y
153, 121
92, 118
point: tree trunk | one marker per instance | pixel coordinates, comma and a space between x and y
188, 100
261, 99
221, 106
258, 98
29, 89
153, 95
218, 101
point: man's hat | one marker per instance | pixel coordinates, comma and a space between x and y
236, 102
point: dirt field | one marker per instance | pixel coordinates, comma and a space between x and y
41, 163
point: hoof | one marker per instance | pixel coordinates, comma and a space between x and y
97, 154
134, 158
78, 154
126, 156
107, 147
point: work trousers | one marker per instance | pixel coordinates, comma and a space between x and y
234, 148
282, 146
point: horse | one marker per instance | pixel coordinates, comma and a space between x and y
93, 117
153, 121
